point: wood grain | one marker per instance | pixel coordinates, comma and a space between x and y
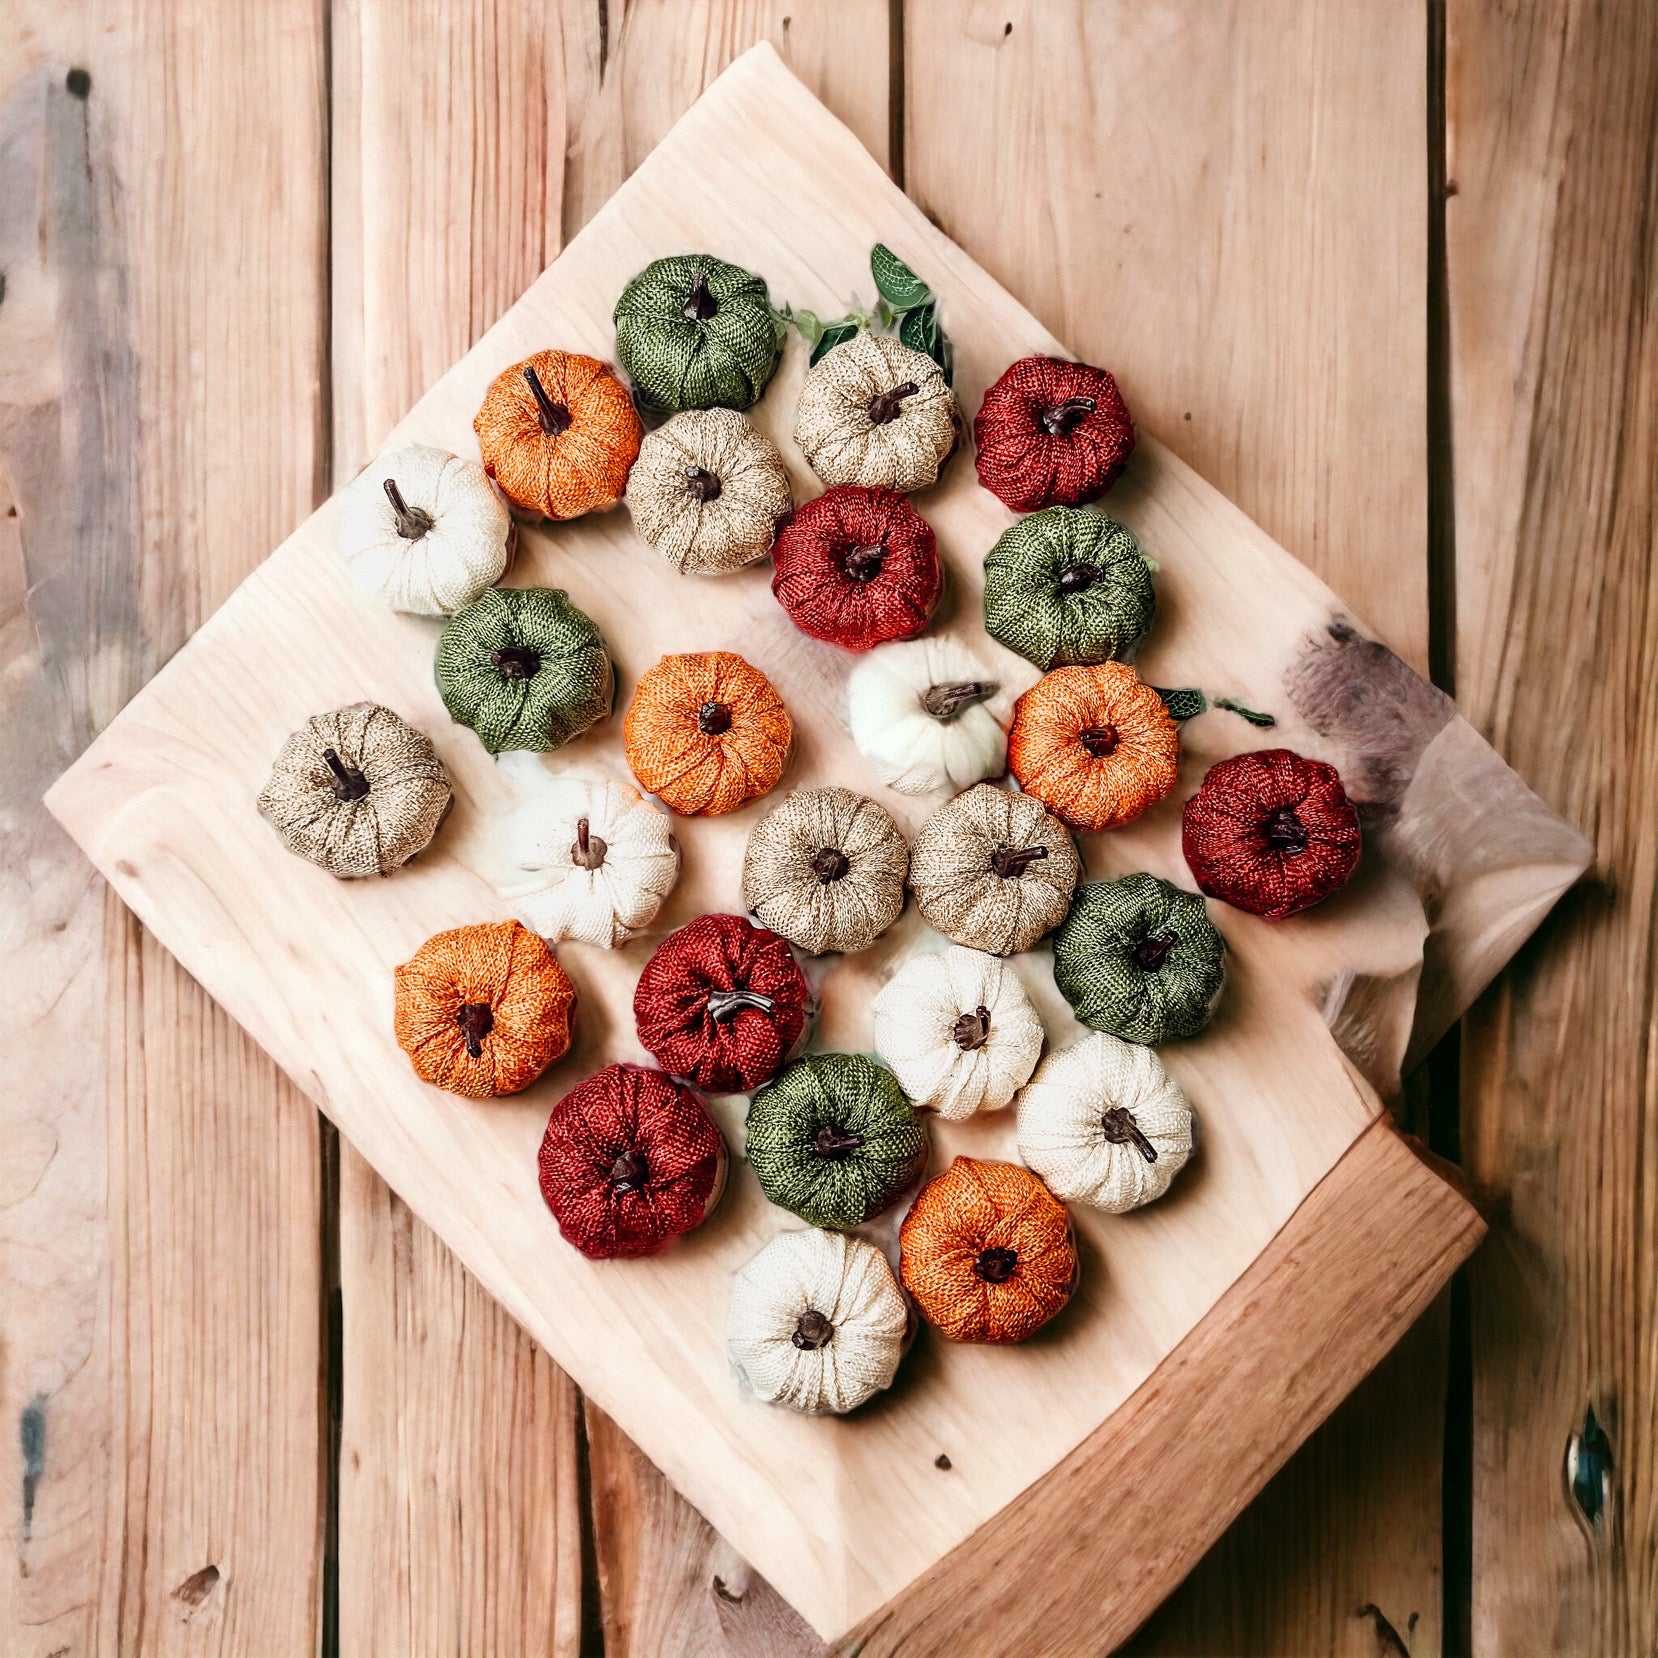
460, 1500
1551, 251
161, 421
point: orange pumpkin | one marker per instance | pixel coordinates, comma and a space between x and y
558, 433
987, 1252
1095, 745
705, 732
483, 1010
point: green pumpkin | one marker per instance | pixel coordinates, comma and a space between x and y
833, 1139
696, 333
524, 668
1068, 585
1140, 958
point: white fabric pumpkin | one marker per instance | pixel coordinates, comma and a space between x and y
452, 539
927, 715
817, 1323
1103, 1123
602, 895
958, 1031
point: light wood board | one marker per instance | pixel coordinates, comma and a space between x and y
839, 1515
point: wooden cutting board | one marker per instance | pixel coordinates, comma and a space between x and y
1265, 1262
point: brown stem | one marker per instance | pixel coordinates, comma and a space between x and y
726, 1004
996, 1266
699, 304
412, 522
714, 718
830, 864
589, 849
812, 1332
516, 661
972, 1030
1286, 833
864, 563
944, 702
1120, 1128
1150, 953
700, 485
555, 417
1064, 418
1010, 862
630, 1171
884, 405
1078, 578
476, 1020
834, 1142
348, 783
1099, 740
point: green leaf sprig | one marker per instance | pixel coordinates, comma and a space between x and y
906, 305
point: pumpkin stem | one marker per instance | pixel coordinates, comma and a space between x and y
864, 563
1064, 418
726, 1004
348, 783
812, 1332
714, 718
412, 522
516, 661
944, 702
1099, 740
701, 485
588, 850
1078, 578
699, 304
1120, 1128
830, 864
476, 1020
630, 1170
972, 1030
1150, 953
996, 1266
555, 417
884, 405
1010, 862
1285, 832
834, 1142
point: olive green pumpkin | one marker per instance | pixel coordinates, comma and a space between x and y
524, 668
696, 333
833, 1139
1068, 585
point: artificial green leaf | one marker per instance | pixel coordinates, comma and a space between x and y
1233, 706
1182, 705
919, 330
899, 285
837, 333
810, 326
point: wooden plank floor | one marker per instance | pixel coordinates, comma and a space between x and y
258, 1408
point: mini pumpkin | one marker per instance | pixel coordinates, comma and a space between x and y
1271, 833
706, 732
927, 715
1068, 585
1052, 433
357, 791
694, 333
630, 1161
708, 492
1104, 1124
1097, 746
1140, 958
721, 1003
958, 1031
993, 870
423, 531
832, 1139
876, 413
987, 1252
579, 857
826, 870
857, 567
524, 669
558, 433
483, 1010
817, 1323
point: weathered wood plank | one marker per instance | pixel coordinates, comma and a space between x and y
161, 423
460, 1493
1551, 251
1227, 206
